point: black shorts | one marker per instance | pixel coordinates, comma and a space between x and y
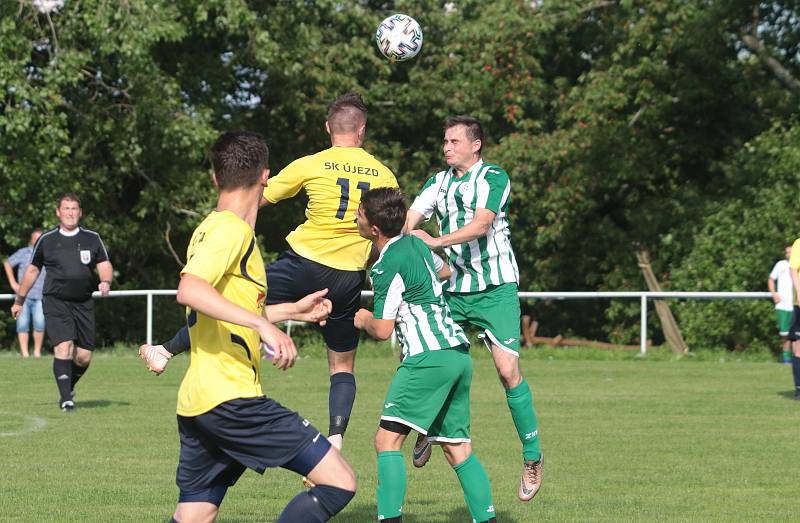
69, 321
217, 446
292, 277
794, 329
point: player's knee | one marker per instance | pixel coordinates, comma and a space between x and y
332, 499
456, 453
509, 374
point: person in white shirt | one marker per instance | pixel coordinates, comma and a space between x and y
783, 297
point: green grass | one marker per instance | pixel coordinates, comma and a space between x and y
626, 439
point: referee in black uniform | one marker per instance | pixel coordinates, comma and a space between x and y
69, 253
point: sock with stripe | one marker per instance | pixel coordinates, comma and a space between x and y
341, 397
520, 403
391, 491
796, 375
62, 371
476, 487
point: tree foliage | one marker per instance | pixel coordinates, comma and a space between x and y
625, 124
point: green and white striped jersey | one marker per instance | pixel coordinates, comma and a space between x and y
485, 261
407, 290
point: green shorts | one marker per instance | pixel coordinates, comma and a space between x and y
430, 394
784, 321
495, 310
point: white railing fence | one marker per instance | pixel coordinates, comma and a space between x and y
642, 296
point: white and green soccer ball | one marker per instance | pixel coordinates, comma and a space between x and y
399, 37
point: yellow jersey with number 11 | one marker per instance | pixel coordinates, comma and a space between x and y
334, 180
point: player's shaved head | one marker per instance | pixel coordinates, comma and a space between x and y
346, 114
385, 208
238, 159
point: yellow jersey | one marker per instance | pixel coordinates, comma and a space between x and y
794, 259
225, 358
334, 180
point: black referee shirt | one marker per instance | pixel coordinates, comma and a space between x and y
69, 261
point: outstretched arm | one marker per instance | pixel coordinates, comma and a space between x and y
313, 308
198, 294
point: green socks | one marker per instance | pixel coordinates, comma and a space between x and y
391, 484
520, 403
476, 487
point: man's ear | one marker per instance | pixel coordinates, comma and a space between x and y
327, 127
476, 146
214, 180
264, 177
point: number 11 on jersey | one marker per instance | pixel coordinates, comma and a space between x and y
344, 201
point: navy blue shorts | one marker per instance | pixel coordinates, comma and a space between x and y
291, 277
217, 446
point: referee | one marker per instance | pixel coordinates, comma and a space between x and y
69, 253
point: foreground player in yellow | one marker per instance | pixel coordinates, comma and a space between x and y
226, 423
325, 251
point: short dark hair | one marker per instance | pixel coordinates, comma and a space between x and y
474, 127
70, 197
385, 208
347, 113
238, 159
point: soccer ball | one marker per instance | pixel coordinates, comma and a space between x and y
399, 37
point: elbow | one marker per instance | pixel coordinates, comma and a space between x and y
182, 297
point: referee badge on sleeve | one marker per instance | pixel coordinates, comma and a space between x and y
86, 257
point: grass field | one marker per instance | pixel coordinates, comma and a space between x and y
626, 439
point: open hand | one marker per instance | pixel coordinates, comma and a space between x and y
430, 241
314, 308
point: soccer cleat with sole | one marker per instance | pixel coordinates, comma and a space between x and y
422, 451
68, 406
531, 479
155, 356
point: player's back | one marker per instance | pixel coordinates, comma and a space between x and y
334, 180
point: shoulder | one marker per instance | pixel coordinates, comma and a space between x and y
46, 237
90, 234
493, 171
227, 221
19, 253
436, 178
